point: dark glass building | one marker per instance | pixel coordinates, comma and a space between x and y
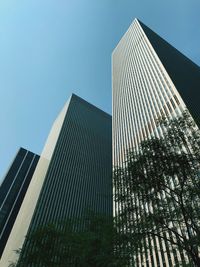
79, 174
13, 190
74, 172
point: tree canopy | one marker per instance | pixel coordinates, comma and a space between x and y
158, 190
85, 242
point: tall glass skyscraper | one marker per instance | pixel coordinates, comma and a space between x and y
151, 79
74, 173
13, 190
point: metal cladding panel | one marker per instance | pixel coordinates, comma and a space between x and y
143, 92
79, 176
13, 190
184, 73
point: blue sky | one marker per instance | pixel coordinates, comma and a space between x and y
51, 48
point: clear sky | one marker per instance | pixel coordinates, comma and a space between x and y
51, 48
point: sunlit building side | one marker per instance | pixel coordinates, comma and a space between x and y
150, 80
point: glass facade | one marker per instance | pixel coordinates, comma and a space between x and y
13, 190
74, 173
79, 174
147, 85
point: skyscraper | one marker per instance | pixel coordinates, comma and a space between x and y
151, 79
13, 190
74, 172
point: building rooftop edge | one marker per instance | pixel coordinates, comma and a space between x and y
136, 20
88, 103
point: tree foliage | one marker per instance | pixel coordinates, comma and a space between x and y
158, 189
84, 242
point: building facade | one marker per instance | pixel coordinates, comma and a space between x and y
151, 79
74, 172
13, 190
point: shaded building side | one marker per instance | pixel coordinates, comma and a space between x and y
74, 173
13, 190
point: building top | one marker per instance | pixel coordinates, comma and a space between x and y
184, 73
89, 104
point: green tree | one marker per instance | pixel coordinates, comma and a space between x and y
158, 189
85, 242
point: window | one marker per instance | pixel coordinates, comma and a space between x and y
169, 107
176, 99
173, 104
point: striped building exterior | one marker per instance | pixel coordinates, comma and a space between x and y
13, 190
151, 79
74, 172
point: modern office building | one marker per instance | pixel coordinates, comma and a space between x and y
74, 173
13, 190
151, 79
